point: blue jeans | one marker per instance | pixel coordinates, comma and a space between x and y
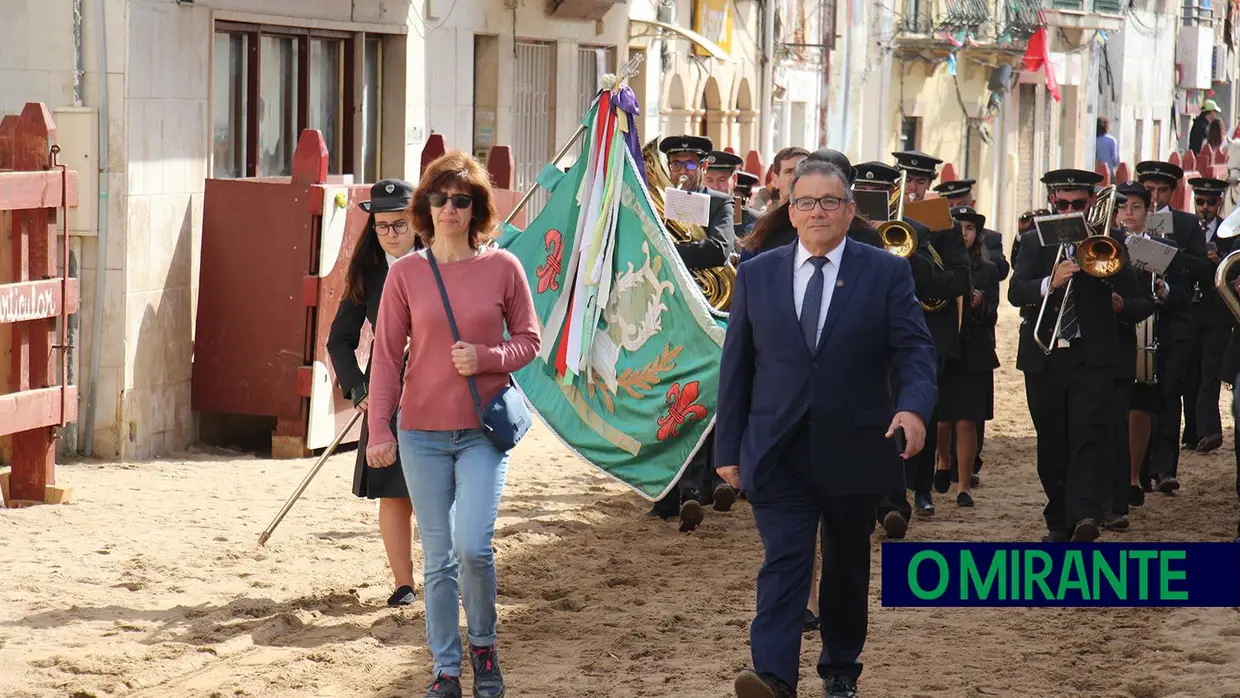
451, 473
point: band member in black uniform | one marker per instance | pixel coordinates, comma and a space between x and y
388, 236
949, 282
1069, 389
1137, 395
1024, 224
688, 157
1190, 270
948, 288
959, 192
721, 175
967, 384
1215, 319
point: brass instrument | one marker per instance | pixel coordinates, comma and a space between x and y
898, 237
716, 282
1224, 288
1098, 255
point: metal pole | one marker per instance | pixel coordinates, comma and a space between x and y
558, 157
262, 540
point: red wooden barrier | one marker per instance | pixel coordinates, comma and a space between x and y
1122, 173
501, 166
948, 173
1103, 170
32, 296
433, 149
753, 163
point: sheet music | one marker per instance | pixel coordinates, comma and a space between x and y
686, 206
1150, 255
1159, 224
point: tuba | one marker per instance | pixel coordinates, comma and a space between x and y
715, 282
1228, 229
899, 238
1098, 255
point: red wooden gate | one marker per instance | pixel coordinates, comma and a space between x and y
32, 297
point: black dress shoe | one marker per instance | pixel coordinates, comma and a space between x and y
1167, 484
942, 481
725, 497
1210, 443
923, 504
894, 525
840, 687
691, 515
751, 685
1136, 496
1056, 537
1086, 531
1115, 522
811, 622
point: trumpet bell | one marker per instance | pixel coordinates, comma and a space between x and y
899, 238
1100, 256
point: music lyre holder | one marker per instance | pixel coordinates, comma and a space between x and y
873, 205
1062, 229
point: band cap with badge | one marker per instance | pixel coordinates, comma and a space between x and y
723, 160
955, 188
917, 163
1159, 172
678, 204
388, 195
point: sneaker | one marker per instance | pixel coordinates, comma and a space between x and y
964, 499
403, 596
488, 679
942, 481
444, 687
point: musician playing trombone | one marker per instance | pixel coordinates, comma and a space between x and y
1068, 355
1137, 394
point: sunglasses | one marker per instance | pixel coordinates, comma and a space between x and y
1203, 201
459, 201
1075, 204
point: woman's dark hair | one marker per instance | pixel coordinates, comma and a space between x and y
367, 255
457, 168
1104, 125
978, 246
1214, 136
774, 219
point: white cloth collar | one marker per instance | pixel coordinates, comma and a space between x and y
834, 256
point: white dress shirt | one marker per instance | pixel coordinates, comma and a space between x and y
1212, 228
803, 270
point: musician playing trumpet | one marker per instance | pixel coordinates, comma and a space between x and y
1069, 382
1137, 394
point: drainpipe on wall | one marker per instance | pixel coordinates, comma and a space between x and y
101, 241
768, 80
69, 333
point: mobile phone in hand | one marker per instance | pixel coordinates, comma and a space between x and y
901, 440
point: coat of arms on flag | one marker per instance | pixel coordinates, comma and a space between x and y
628, 375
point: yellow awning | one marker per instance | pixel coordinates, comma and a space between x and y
706, 44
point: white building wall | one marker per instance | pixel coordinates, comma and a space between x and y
1142, 60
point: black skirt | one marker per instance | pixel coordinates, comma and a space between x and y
377, 483
964, 395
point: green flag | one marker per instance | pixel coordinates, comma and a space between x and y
628, 376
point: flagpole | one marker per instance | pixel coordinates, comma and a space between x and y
628, 70
558, 157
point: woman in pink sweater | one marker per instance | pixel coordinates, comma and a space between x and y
455, 475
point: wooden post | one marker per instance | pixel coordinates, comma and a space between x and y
948, 173
34, 451
1121, 173
8, 127
309, 168
753, 163
501, 166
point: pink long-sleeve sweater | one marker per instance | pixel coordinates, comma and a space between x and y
488, 292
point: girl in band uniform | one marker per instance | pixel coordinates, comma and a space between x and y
967, 387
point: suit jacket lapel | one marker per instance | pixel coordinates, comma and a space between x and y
845, 281
785, 304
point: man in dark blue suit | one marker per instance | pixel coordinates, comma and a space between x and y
807, 418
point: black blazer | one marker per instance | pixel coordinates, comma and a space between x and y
715, 250
346, 334
993, 240
1098, 321
1189, 268
948, 283
977, 327
1214, 312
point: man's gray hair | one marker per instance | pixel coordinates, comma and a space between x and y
819, 167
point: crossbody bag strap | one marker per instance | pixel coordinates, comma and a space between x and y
456, 335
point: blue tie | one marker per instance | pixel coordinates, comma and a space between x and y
812, 304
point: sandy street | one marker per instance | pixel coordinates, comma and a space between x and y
151, 584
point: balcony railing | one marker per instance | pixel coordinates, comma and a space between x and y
987, 21
1198, 13
1112, 7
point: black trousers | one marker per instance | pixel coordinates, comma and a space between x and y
1213, 344
698, 481
788, 508
1069, 405
1118, 408
1173, 371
